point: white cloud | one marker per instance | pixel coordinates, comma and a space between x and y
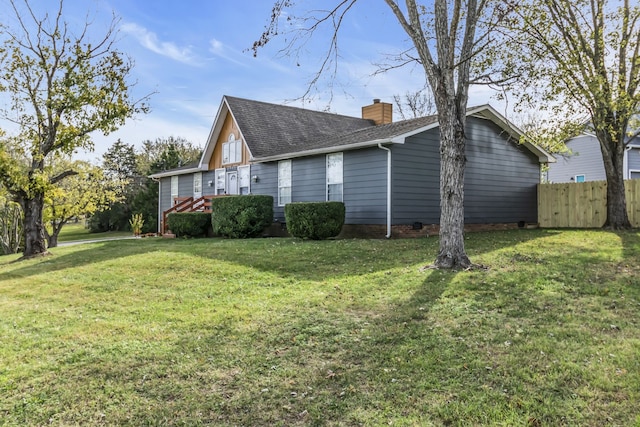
220, 49
150, 41
217, 46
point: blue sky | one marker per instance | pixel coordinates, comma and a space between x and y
192, 52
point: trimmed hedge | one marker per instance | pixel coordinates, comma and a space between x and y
241, 216
314, 220
189, 224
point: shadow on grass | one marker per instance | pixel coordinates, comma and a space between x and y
447, 354
284, 257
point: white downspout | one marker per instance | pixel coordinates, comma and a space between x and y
388, 150
159, 181
625, 163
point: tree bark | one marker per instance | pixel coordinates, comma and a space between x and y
34, 237
617, 217
451, 254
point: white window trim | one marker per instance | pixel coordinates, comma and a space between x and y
197, 183
242, 174
329, 182
224, 181
575, 178
632, 171
226, 146
289, 182
175, 189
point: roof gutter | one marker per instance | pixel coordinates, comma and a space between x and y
323, 150
388, 150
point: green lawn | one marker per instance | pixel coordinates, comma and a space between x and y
348, 332
77, 231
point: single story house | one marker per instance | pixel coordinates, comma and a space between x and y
584, 161
385, 172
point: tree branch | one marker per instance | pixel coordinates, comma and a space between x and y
62, 176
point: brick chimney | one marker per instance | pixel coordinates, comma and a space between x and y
380, 112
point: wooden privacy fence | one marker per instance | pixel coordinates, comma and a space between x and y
582, 205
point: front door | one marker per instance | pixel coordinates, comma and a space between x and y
232, 182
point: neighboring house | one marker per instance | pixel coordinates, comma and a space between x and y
584, 161
387, 174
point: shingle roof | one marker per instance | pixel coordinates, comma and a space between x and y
376, 133
272, 129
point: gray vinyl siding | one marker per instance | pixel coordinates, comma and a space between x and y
267, 184
308, 177
165, 194
208, 177
415, 168
185, 185
633, 162
585, 159
500, 178
364, 184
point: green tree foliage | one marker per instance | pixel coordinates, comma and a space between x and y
62, 87
83, 193
167, 153
120, 169
584, 57
119, 164
140, 192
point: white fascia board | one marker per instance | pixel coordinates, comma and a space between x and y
489, 113
176, 172
400, 139
324, 150
216, 127
214, 134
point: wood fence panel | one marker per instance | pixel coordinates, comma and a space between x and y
632, 188
582, 205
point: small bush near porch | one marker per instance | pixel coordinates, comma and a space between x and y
264, 332
241, 216
189, 224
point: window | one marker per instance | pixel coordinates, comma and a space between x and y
231, 150
334, 177
244, 179
579, 178
221, 179
197, 184
174, 189
634, 174
284, 182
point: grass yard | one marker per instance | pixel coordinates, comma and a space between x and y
351, 332
75, 232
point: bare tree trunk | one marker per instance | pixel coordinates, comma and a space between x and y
34, 238
617, 217
452, 253
52, 238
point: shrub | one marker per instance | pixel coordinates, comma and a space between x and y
241, 216
314, 220
188, 224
